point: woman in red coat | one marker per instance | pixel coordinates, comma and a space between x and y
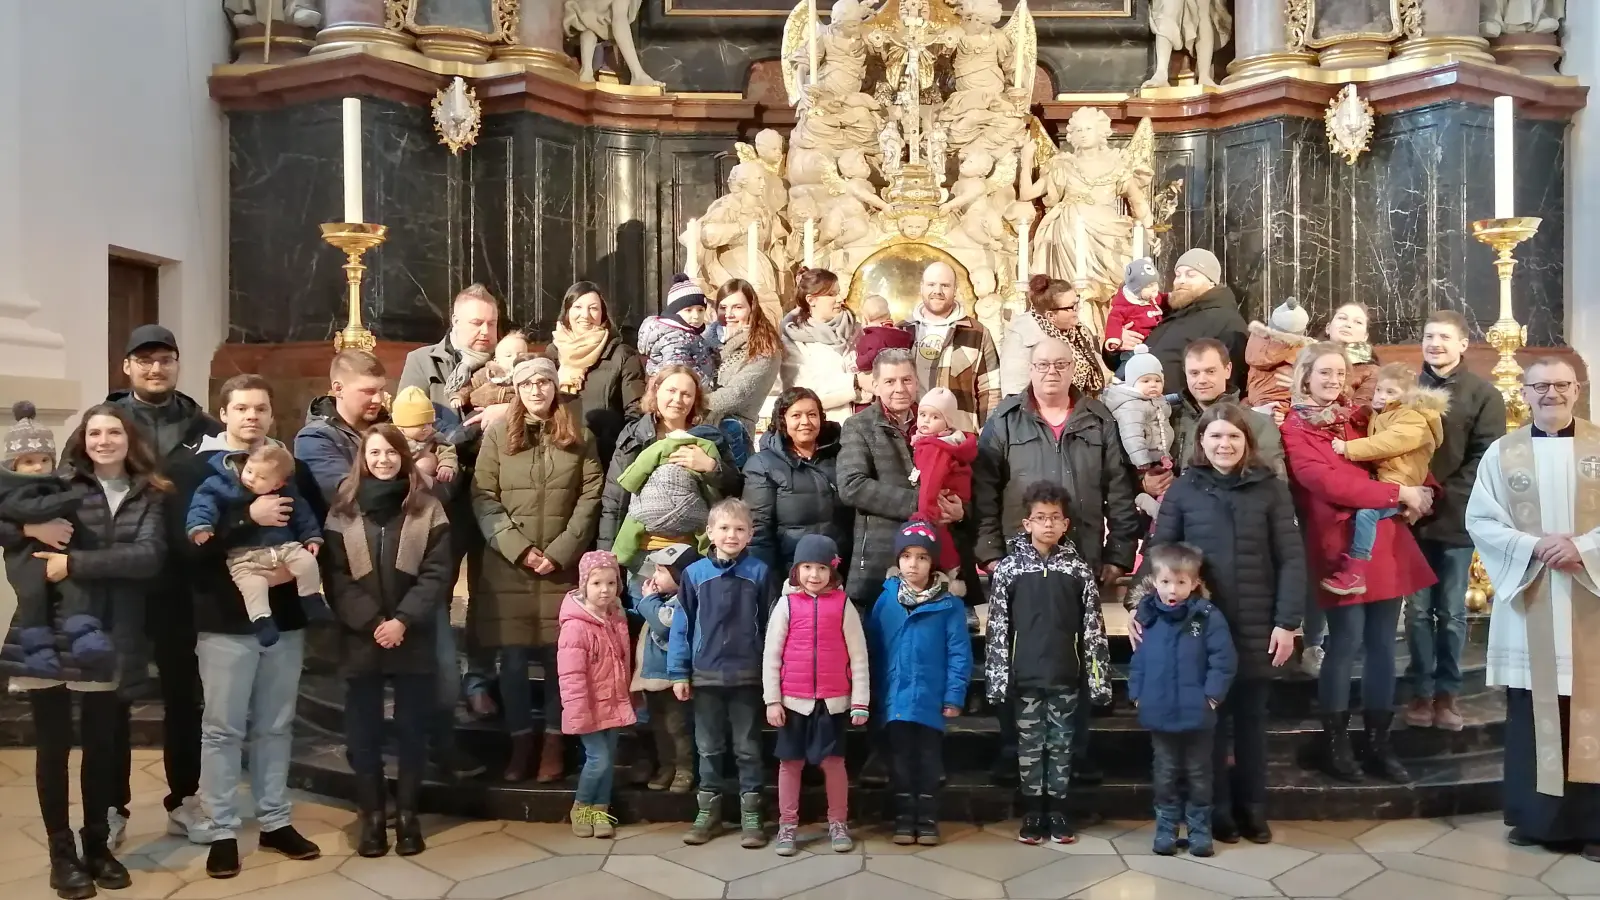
1328, 489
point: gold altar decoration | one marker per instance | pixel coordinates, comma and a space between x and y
457, 115
455, 42
1348, 120
355, 239
1506, 335
895, 273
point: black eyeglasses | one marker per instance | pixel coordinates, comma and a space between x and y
1561, 387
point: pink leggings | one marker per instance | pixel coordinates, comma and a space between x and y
789, 790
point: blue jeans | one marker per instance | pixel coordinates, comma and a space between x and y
517, 697
442, 719
246, 684
1436, 622
1366, 629
599, 764
717, 711
363, 721
1314, 627
1364, 531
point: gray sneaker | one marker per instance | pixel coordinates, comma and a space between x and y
1311, 661
181, 821
839, 837
117, 829
785, 844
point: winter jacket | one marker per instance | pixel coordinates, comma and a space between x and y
790, 497
1254, 557
1476, 418
223, 490
389, 567
1214, 314
545, 498
328, 446
489, 386
1269, 352
722, 614
677, 504
969, 366
1328, 489
33, 500
943, 465
826, 368
650, 653
592, 662
874, 479
665, 341
1132, 312
1144, 424
1089, 373
1361, 380
742, 383
921, 657
611, 392
875, 339
816, 649
1403, 438
637, 436
1018, 448
1045, 632
1186, 421
1183, 664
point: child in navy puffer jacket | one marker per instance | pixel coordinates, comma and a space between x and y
1180, 674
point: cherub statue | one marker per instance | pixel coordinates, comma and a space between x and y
982, 52
841, 53
847, 221
1521, 16
986, 196
725, 232
594, 21
768, 153
303, 13
1197, 27
990, 307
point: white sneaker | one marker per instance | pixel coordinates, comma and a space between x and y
118, 825
182, 819
1311, 661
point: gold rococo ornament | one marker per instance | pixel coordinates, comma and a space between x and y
1349, 124
457, 116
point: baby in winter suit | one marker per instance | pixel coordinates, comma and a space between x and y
677, 336
1272, 350
943, 458
1144, 418
878, 333
412, 413
492, 383
1136, 307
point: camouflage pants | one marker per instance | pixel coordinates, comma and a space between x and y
1044, 741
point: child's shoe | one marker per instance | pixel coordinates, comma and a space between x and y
905, 822
707, 822
581, 825
601, 820
90, 644
40, 659
266, 631
1061, 831
839, 837
1199, 824
1166, 842
682, 783
662, 779
1350, 579
315, 607
1034, 829
927, 820
752, 835
785, 844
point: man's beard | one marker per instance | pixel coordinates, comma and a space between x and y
1181, 297
153, 398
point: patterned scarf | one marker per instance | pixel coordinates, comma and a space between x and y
839, 333
1358, 353
735, 350
467, 365
1321, 416
911, 598
1087, 375
579, 351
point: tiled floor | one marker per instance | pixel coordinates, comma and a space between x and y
1464, 859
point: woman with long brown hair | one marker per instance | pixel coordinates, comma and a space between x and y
536, 495
751, 355
389, 563
819, 340
1052, 312
595, 365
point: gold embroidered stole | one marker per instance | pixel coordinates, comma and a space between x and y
1582, 755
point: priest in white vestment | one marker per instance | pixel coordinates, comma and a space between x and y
1534, 517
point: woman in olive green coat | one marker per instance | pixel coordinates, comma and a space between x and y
536, 495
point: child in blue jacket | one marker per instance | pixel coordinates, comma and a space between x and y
1180, 674
669, 717
921, 662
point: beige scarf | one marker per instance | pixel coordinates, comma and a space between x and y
578, 350
414, 530
1583, 743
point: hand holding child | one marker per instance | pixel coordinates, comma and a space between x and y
775, 715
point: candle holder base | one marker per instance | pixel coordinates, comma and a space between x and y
355, 239
1506, 335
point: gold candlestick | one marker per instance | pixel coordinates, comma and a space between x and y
355, 239
1507, 335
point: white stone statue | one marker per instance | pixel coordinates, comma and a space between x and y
847, 221
768, 154
983, 108
1197, 27
303, 13
990, 306
841, 51
724, 234
981, 222
594, 21
1499, 17
891, 145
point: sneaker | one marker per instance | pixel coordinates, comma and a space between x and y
185, 817
290, 843
1061, 830
1033, 829
839, 837
1351, 578
223, 859
1311, 661
785, 844
1419, 713
1445, 714
116, 829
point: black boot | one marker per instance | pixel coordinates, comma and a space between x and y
98, 861
1253, 824
372, 797
1337, 760
905, 819
407, 829
927, 820
1380, 760
1224, 827
68, 877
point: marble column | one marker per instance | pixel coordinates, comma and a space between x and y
539, 41
1583, 170
1449, 28
1261, 41
356, 23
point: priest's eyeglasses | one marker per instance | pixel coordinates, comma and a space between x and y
1561, 387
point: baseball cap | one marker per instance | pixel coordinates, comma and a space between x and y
150, 336
675, 558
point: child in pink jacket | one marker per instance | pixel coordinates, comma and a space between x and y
814, 672
592, 660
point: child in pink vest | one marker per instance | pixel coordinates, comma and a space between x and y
814, 674
592, 659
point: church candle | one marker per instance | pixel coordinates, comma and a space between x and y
1138, 240
810, 241
752, 235
812, 51
352, 160
691, 266
1504, 152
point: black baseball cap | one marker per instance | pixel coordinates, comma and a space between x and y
150, 336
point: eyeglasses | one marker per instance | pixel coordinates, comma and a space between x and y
148, 363
1056, 365
539, 384
1073, 308
1047, 520
1561, 387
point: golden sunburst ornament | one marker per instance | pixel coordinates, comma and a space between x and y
1349, 123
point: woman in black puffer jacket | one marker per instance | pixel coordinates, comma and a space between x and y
1240, 515
791, 486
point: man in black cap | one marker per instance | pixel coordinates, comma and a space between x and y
174, 424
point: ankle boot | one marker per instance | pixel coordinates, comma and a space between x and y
905, 819
68, 877
551, 759
927, 820
521, 758
372, 797
1381, 761
1197, 819
707, 822
1253, 824
1167, 818
407, 827
98, 861
1337, 759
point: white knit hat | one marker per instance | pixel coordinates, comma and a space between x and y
1142, 363
1290, 317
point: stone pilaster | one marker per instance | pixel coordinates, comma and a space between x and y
1449, 28
1261, 41
356, 23
539, 41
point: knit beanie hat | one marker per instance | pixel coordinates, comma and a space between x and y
1203, 261
683, 294
411, 408
596, 559
1140, 364
27, 436
917, 534
1290, 316
944, 401
1139, 274
817, 548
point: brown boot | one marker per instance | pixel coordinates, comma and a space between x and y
521, 758
1445, 714
551, 758
1419, 713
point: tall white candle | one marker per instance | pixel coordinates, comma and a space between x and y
352, 160
752, 235
810, 242
1504, 155
1138, 240
691, 265
1080, 259
813, 52
1022, 253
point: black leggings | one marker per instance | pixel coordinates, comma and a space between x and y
103, 715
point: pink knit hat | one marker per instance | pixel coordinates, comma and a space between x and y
942, 400
596, 559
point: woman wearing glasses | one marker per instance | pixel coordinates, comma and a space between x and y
1052, 312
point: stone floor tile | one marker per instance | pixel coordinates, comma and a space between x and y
801, 875
1111, 828
665, 877
396, 877
1064, 877
1140, 886
525, 878
1491, 852
1463, 874
931, 876
21, 800
1572, 875
1349, 829
879, 841
1294, 835
1197, 874
992, 857
332, 886
595, 885
8, 774
1402, 836
16, 870
480, 856
723, 858
1327, 876
1085, 845
258, 878
1395, 885
440, 830
149, 886
331, 840
652, 843
17, 844
556, 837
1136, 842
865, 886
1265, 861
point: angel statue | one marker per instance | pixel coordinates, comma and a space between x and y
984, 106
982, 197
1197, 27
605, 20
724, 232
768, 154
847, 221
303, 13
1085, 193
1521, 16
841, 52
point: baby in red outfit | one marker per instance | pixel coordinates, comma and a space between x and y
943, 458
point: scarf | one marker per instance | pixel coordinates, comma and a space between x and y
578, 351
1358, 353
1087, 376
374, 499
381, 500
1174, 613
911, 598
1320, 416
468, 363
839, 334
735, 350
